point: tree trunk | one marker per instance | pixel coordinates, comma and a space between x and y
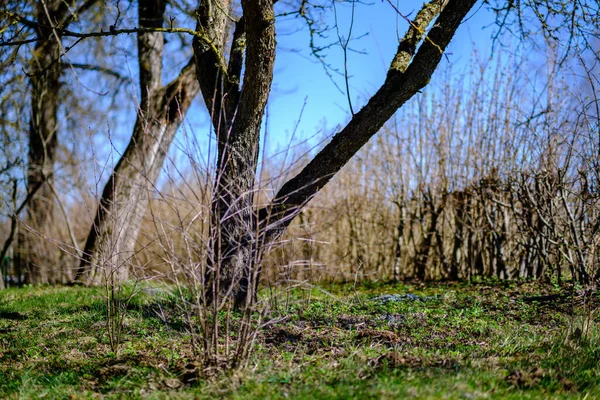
237, 118
399, 239
110, 247
460, 233
3, 267
33, 255
422, 256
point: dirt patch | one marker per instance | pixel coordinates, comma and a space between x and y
395, 359
279, 335
529, 379
325, 340
523, 379
313, 339
112, 371
567, 384
349, 322
386, 337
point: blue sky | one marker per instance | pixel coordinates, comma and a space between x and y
300, 78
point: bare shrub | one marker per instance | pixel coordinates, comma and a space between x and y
471, 179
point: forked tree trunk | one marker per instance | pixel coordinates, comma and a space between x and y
110, 247
240, 236
237, 117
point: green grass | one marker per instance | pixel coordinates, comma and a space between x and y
464, 342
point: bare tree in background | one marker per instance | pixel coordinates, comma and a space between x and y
45, 71
110, 245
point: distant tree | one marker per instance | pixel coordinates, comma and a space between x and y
44, 73
111, 242
43, 26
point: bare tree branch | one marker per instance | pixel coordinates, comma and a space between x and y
403, 81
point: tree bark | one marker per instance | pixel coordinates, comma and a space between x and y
110, 247
33, 251
460, 200
399, 239
237, 117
